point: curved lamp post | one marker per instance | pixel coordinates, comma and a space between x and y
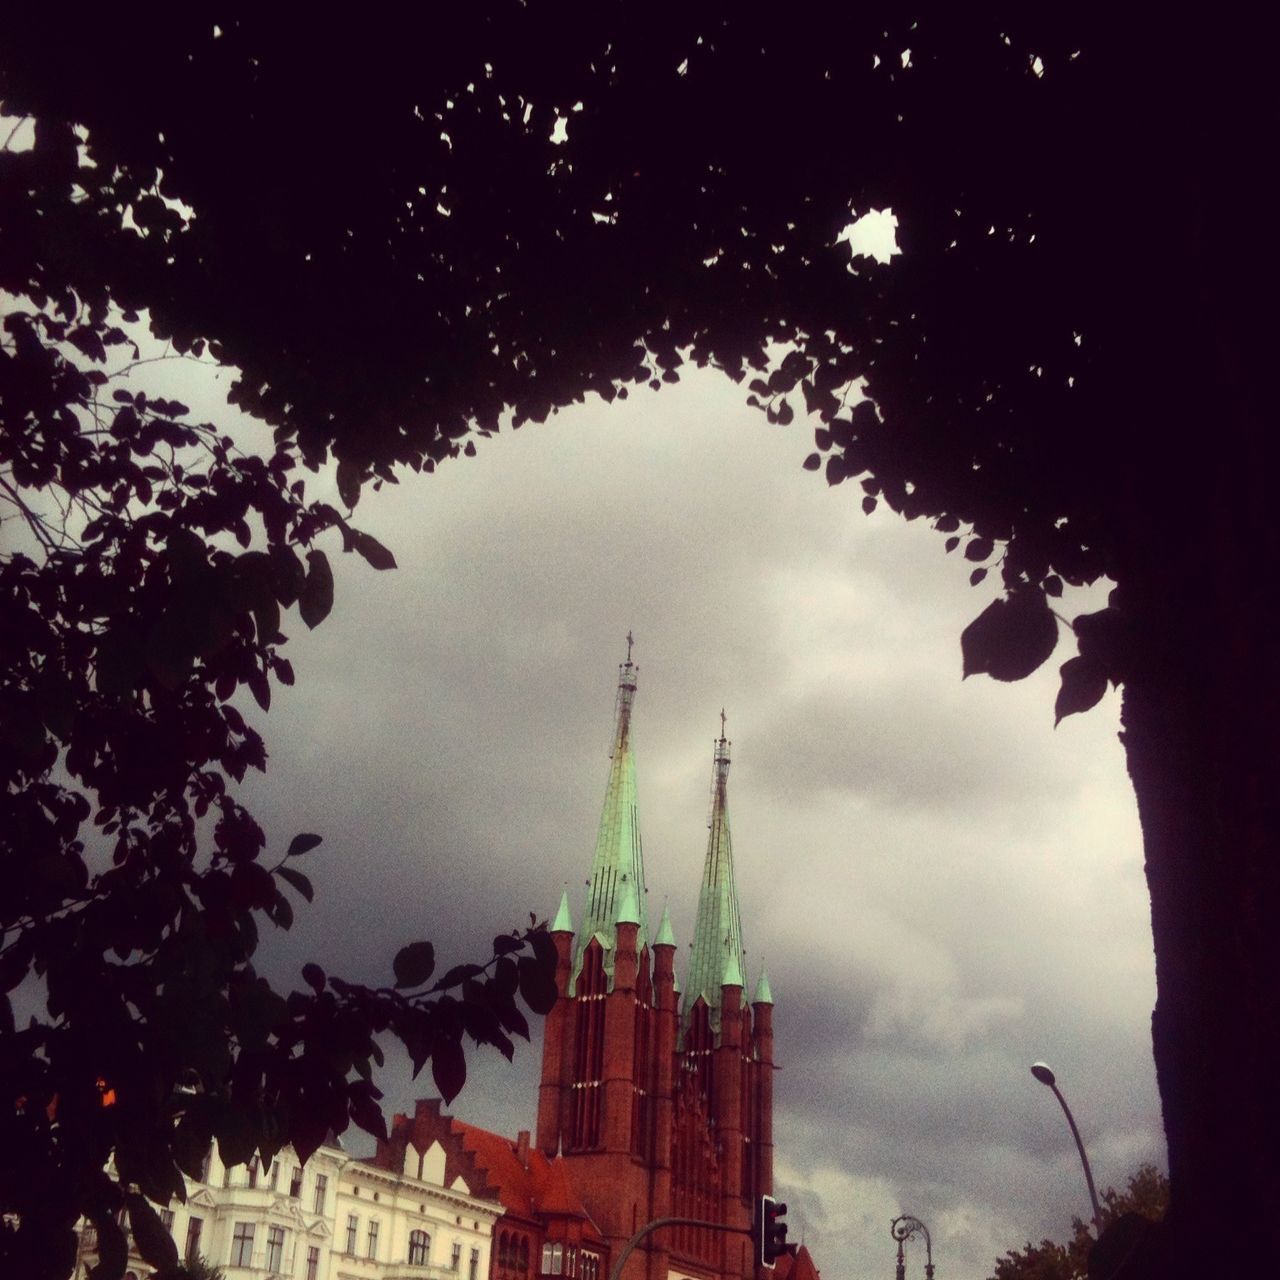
902, 1228
1044, 1073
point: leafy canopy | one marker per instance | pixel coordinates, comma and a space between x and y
1146, 1195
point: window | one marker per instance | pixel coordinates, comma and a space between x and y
275, 1174
419, 1247
242, 1245
275, 1248
524, 1256
295, 1182
552, 1259
353, 1228
322, 1184
456, 1256
166, 1216
253, 1172
194, 1227
204, 1165
473, 1267
313, 1261
372, 1251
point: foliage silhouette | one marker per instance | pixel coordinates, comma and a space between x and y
1145, 1199
399, 231
147, 569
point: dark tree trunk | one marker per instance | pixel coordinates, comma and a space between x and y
1200, 582
1201, 718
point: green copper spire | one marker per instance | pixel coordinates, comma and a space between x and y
618, 866
666, 935
764, 995
563, 922
717, 936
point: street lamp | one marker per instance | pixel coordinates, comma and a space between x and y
903, 1227
1044, 1073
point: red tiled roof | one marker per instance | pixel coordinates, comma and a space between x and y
557, 1197
496, 1155
796, 1266
544, 1187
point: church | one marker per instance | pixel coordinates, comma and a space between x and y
656, 1090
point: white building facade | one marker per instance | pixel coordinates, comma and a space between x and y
409, 1225
332, 1219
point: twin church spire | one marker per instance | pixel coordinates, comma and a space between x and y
616, 891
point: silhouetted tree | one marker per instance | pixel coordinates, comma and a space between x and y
146, 565
401, 230
1146, 1196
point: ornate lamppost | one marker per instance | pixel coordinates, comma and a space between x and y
902, 1228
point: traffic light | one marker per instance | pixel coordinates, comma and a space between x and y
770, 1230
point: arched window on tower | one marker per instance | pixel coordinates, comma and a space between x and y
524, 1256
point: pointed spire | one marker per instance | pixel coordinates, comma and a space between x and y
563, 922
717, 935
618, 864
666, 935
764, 995
732, 976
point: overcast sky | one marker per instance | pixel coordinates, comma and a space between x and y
943, 887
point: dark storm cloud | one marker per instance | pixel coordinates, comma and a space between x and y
901, 744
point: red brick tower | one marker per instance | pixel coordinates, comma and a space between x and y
655, 1112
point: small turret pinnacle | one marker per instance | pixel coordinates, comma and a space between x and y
628, 911
763, 993
666, 935
563, 922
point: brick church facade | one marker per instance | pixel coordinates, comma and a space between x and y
653, 1101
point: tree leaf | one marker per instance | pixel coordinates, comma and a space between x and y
1010, 638
1083, 684
298, 880
303, 843
813, 462
149, 1234
414, 964
113, 1248
537, 985
368, 1116
313, 975
349, 478
316, 599
372, 550
979, 549
448, 1068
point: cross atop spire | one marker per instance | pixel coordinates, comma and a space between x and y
721, 724
630, 642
